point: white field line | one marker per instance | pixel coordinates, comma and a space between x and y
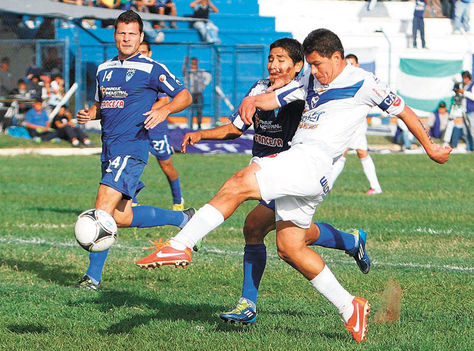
38, 241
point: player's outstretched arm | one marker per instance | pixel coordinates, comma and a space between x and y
87, 114
436, 152
177, 104
250, 104
228, 131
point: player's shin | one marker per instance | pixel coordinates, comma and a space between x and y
206, 219
333, 238
255, 258
149, 216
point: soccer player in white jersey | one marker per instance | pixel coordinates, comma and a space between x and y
337, 99
359, 143
127, 88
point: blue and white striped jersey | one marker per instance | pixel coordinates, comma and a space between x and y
334, 112
126, 90
273, 129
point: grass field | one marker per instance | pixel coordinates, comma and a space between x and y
420, 236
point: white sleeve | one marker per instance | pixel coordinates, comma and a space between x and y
294, 90
374, 93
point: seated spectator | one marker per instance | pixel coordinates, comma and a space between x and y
21, 92
56, 88
109, 4
7, 84
150, 33
403, 136
162, 7
37, 123
34, 86
438, 121
206, 29
67, 130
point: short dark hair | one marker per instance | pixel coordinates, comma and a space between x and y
352, 56
292, 46
144, 42
324, 42
129, 17
5, 60
466, 74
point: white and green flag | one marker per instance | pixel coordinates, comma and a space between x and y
423, 83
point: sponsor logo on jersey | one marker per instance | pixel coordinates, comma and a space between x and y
268, 141
112, 104
113, 92
267, 126
129, 74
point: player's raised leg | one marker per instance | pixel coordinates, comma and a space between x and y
240, 187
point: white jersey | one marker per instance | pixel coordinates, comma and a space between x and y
334, 112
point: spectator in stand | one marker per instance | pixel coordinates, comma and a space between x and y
21, 92
207, 29
37, 123
162, 7
66, 128
150, 33
419, 23
51, 61
461, 15
196, 80
56, 89
34, 86
7, 84
467, 90
438, 121
109, 4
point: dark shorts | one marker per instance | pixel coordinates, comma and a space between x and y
160, 147
270, 205
123, 173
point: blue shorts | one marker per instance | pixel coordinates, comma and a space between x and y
270, 205
160, 147
123, 174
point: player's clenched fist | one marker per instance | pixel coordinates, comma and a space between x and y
83, 116
247, 109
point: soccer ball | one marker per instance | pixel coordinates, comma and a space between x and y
95, 230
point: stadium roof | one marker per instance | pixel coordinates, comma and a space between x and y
49, 8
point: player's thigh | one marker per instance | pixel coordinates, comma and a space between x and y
259, 222
122, 173
300, 171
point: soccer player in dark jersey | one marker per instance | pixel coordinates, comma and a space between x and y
127, 87
160, 146
273, 133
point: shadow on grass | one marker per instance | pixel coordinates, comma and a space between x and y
75, 211
27, 328
48, 272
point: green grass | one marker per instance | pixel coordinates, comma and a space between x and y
420, 235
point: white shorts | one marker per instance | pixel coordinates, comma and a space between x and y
359, 140
297, 179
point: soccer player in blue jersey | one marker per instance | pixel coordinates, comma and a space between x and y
127, 88
337, 98
160, 146
273, 133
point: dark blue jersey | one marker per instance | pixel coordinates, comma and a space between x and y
125, 91
162, 128
273, 129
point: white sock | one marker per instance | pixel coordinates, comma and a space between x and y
369, 170
326, 283
205, 220
337, 168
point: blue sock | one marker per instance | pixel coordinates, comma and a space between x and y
176, 190
334, 239
96, 265
149, 216
255, 259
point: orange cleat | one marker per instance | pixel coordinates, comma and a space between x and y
164, 254
357, 324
